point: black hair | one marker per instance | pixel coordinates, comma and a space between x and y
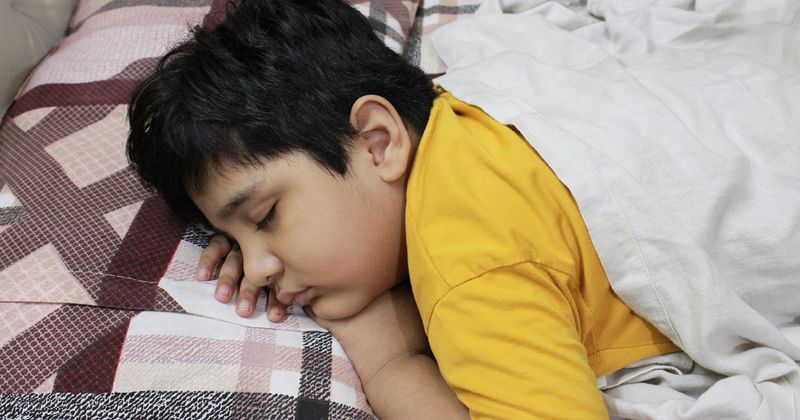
276, 76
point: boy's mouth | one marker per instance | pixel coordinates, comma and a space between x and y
299, 298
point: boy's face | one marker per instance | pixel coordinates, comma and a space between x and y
333, 243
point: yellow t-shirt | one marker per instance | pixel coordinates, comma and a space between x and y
518, 310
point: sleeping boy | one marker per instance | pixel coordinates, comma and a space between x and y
339, 174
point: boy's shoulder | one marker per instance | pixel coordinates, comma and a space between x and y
479, 197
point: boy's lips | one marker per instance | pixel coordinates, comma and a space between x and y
299, 298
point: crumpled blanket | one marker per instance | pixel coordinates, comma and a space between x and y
676, 126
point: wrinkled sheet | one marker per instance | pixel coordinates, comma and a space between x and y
676, 126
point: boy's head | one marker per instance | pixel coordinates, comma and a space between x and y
295, 103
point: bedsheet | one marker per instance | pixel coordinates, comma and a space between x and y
676, 126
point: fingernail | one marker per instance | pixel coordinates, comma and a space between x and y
201, 273
244, 306
275, 312
223, 291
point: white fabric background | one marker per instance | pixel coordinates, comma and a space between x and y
676, 125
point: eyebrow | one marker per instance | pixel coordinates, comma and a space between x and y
237, 200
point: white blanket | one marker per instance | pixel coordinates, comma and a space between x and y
676, 125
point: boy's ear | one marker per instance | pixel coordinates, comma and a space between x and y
383, 132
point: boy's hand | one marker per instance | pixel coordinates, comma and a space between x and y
388, 330
231, 277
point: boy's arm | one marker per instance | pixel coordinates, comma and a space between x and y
388, 348
411, 387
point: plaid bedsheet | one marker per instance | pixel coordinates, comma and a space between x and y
99, 314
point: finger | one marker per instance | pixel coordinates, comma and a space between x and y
276, 311
248, 294
217, 247
229, 276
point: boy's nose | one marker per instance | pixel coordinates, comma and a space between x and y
264, 270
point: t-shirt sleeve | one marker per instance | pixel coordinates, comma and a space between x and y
507, 343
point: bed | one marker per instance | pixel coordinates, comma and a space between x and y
99, 312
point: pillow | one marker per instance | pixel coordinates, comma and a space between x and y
77, 225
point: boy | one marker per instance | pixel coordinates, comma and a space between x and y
340, 172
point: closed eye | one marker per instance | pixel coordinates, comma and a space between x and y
267, 220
